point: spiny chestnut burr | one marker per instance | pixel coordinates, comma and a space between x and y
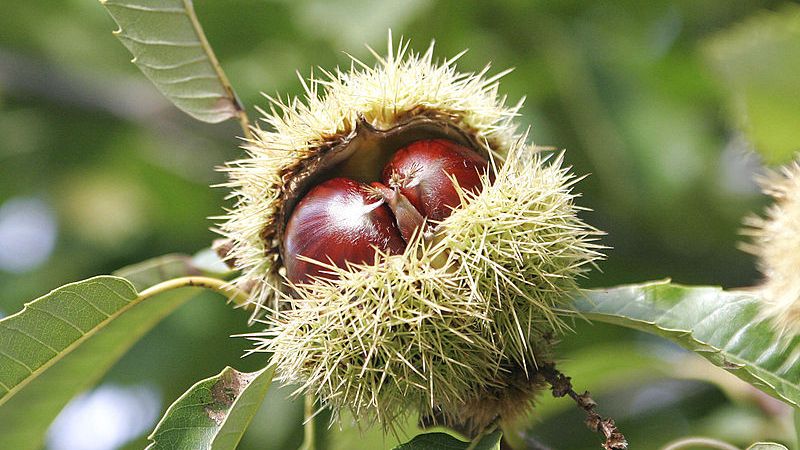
425, 329
342, 221
422, 170
338, 221
775, 243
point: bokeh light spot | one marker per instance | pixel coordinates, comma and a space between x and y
28, 232
105, 418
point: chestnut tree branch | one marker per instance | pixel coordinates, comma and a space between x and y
562, 386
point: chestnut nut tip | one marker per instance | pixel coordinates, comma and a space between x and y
342, 221
422, 170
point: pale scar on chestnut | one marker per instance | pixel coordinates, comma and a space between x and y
342, 221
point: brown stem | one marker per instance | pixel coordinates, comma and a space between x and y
562, 386
408, 219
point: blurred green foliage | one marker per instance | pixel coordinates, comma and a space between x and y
98, 162
765, 102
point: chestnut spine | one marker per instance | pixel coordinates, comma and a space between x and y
775, 240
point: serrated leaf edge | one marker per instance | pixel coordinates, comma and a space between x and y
84, 336
704, 348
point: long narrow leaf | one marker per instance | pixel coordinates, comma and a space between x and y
722, 326
170, 48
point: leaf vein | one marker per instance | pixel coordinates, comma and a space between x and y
25, 333
145, 8
56, 316
207, 95
16, 361
188, 79
187, 62
88, 302
159, 42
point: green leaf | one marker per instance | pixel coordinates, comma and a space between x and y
167, 267
721, 326
443, 441
154, 271
169, 46
214, 413
766, 446
62, 343
759, 61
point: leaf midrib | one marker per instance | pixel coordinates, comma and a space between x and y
139, 297
751, 367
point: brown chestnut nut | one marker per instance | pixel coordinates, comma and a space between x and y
338, 221
342, 221
421, 171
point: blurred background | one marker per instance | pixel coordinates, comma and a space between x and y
661, 102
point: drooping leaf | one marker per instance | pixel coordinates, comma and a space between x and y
759, 61
153, 271
721, 326
64, 342
443, 441
169, 46
214, 413
167, 267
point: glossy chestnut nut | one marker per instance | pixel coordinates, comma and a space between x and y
338, 221
342, 221
421, 171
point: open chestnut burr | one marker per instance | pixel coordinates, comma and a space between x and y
410, 253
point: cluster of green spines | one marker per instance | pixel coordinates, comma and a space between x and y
520, 247
776, 243
425, 330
